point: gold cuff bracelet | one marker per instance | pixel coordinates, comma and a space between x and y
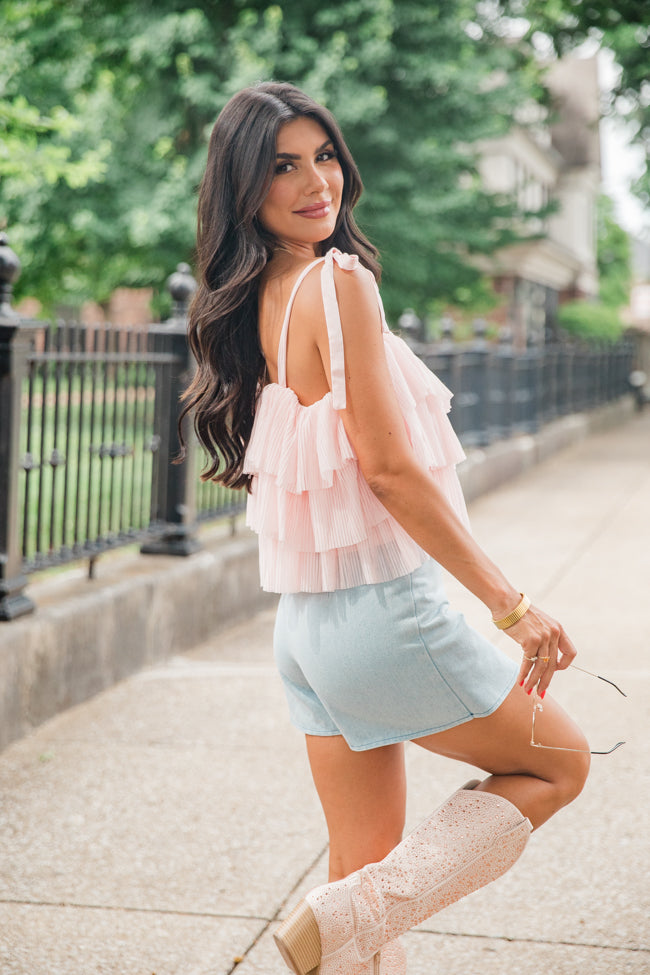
520, 610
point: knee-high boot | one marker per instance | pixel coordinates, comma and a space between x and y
470, 840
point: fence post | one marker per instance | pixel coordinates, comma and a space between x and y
16, 340
470, 388
500, 401
173, 496
483, 375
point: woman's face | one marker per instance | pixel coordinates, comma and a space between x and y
302, 205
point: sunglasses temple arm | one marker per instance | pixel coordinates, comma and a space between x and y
609, 750
598, 677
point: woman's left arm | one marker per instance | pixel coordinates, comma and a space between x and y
376, 429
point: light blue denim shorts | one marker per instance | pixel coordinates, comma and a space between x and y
386, 662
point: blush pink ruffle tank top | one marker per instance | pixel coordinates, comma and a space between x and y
320, 526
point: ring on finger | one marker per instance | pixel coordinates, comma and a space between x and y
532, 658
544, 659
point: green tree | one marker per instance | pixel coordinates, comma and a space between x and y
614, 258
36, 144
415, 85
118, 76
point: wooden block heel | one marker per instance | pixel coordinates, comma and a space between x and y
299, 941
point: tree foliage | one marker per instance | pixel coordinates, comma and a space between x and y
35, 144
591, 321
614, 257
110, 105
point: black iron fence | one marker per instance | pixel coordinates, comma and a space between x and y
500, 392
88, 432
88, 420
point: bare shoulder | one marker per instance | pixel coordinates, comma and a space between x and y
350, 283
276, 286
355, 282
358, 304
308, 303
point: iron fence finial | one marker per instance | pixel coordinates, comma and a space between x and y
9, 270
181, 286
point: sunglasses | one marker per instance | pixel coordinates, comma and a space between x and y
537, 706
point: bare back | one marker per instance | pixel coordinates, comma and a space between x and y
307, 373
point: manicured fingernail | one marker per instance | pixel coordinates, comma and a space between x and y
521, 682
542, 695
530, 691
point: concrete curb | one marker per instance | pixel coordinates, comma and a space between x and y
87, 635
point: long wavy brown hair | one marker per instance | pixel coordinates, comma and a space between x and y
232, 249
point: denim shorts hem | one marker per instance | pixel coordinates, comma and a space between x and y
408, 736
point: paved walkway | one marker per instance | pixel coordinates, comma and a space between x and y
163, 827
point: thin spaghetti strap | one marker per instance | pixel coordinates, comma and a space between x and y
282, 346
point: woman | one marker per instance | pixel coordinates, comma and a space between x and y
342, 437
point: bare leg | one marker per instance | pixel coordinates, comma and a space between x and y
538, 782
363, 795
472, 839
351, 926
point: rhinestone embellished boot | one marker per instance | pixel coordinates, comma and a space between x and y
470, 840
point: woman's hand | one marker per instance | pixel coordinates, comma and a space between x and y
545, 646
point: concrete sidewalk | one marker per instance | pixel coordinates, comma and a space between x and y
164, 826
